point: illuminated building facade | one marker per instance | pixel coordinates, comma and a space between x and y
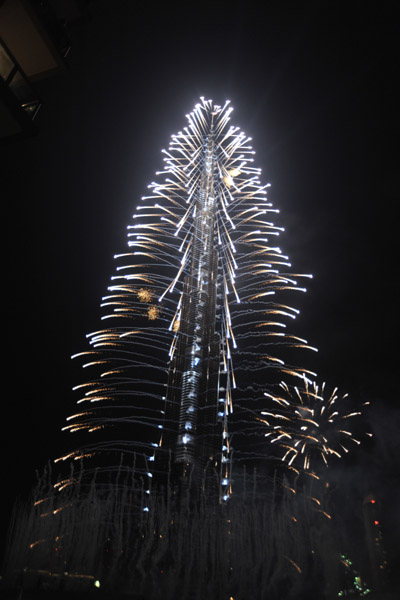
202, 274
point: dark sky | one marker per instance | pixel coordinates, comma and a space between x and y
314, 84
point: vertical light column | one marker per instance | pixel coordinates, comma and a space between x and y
200, 306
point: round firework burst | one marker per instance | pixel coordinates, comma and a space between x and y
309, 424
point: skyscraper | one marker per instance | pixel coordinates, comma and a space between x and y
203, 275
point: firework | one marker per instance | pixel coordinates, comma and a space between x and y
202, 231
309, 424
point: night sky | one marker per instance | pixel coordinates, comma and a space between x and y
313, 83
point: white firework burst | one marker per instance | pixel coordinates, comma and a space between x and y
309, 424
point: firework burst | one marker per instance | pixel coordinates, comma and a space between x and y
309, 424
